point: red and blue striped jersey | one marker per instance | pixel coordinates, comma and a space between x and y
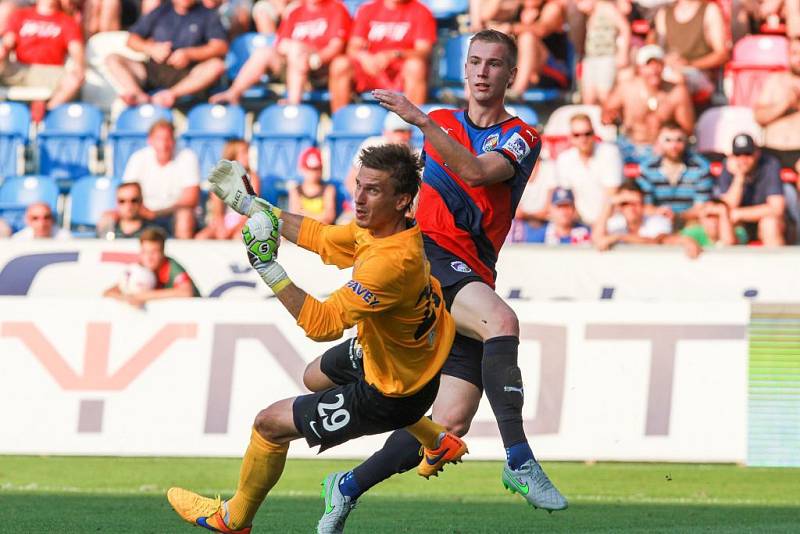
472, 222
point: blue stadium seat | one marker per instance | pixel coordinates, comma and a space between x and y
17, 192
451, 67
280, 133
15, 120
241, 49
446, 9
68, 141
130, 133
89, 198
353, 5
351, 125
209, 127
528, 115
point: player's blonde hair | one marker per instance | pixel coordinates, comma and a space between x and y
494, 36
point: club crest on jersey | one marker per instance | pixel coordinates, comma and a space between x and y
517, 146
491, 142
460, 266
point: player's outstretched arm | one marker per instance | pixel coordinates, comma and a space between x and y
230, 182
480, 170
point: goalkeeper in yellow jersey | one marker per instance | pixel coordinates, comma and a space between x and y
385, 378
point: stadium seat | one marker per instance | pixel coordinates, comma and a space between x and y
280, 133
555, 136
755, 57
352, 124
241, 49
528, 115
17, 192
446, 9
209, 126
15, 120
68, 141
89, 198
130, 134
452, 58
717, 127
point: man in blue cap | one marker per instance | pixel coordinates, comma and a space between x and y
562, 227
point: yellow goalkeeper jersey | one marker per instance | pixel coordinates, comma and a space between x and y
403, 326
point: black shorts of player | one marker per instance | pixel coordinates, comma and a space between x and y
453, 273
354, 408
163, 76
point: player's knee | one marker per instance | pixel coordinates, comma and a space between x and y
265, 424
505, 323
312, 379
454, 422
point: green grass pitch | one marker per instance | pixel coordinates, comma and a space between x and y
126, 495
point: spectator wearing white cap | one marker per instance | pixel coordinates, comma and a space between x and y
312, 197
645, 102
562, 227
751, 186
590, 169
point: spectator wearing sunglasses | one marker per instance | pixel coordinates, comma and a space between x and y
39, 224
676, 181
127, 221
592, 170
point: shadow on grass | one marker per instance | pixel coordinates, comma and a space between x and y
150, 514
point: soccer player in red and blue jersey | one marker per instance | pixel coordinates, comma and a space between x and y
477, 162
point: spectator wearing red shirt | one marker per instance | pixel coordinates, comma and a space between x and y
309, 37
42, 37
389, 48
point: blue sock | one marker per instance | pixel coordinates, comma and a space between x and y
349, 487
518, 454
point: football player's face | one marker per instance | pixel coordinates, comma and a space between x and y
151, 255
488, 72
377, 205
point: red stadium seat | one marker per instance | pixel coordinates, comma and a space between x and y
754, 58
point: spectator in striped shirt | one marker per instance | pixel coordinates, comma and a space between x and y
676, 181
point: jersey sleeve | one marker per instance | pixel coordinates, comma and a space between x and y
521, 145
341, 23
376, 287
424, 26
335, 244
72, 31
361, 22
144, 26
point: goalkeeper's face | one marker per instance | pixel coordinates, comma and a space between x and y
378, 207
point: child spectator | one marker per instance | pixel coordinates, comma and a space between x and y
623, 220
608, 38
714, 227
172, 280
312, 197
751, 186
390, 48
223, 222
309, 37
562, 227
42, 37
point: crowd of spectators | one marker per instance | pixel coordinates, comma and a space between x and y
650, 68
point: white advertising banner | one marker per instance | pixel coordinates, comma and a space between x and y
82, 268
604, 380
